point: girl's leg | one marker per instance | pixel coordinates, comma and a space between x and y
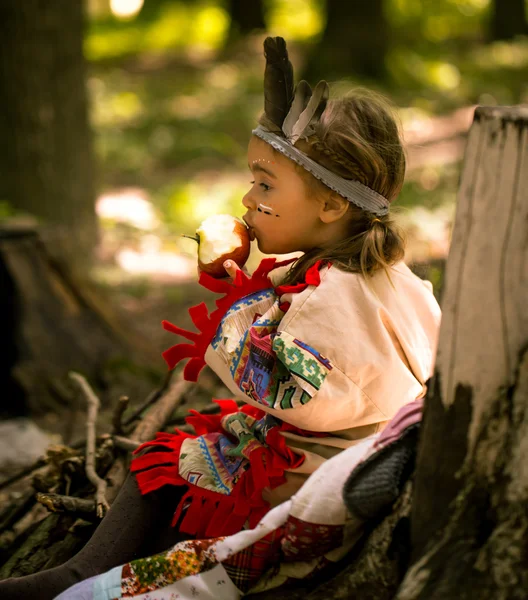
124, 533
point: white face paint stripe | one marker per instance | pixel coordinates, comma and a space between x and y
266, 210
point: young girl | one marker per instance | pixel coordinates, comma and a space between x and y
323, 350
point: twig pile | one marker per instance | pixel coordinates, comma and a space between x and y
55, 504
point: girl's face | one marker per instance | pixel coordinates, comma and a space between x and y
282, 216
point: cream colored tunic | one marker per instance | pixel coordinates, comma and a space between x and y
346, 356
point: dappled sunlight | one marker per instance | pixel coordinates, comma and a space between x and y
295, 19
193, 27
209, 193
428, 232
438, 20
223, 76
443, 75
130, 205
173, 119
408, 67
221, 87
156, 263
503, 54
419, 127
126, 9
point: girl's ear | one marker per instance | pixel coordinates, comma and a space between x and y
333, 207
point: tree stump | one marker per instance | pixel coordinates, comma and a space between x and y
468, 534
51, 323
469, 520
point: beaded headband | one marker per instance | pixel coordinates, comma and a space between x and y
295, 115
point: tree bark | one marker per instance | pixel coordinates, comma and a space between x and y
246, 17
354, 43
469, 521
46, 158
52, 323
508, 19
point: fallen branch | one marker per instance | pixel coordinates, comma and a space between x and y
59, 503
117, 425
16, 509
91, 418
52, 541
23, 473
151, 398
124, 443
146, 429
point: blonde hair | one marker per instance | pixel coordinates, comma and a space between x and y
357, 137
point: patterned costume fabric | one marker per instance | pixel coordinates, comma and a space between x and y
293, 541
239, 453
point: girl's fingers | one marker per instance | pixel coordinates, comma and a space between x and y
231, 267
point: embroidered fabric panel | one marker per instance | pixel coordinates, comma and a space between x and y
240, 317
272, 368
308, 366
275, 369
214, 461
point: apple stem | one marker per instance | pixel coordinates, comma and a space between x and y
192, 237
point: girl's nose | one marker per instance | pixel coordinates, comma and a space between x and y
248, 202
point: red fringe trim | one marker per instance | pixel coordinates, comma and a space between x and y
206, 323
211, 514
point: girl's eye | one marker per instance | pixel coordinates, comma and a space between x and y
264, 186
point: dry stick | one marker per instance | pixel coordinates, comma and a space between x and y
120, 408
58, 503
93, 407
125, 443
151, 398
16, 509
41, 462
146, 429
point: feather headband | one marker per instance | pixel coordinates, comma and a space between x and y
294, 115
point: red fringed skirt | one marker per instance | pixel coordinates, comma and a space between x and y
226, 466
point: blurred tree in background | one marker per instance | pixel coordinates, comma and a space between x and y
46, 155
175, 87
354, 42
509, 19
246, 17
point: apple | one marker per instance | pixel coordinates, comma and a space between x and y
221, 238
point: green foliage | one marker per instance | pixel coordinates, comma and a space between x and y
172, 25
175, 121
6, 210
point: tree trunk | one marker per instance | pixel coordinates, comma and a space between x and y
246, 17
46, 160
354, 43
52, 323
508, 19
469, 521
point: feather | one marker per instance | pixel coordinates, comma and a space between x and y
303, 93
278, 80
316, 105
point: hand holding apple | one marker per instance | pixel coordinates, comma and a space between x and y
221, 238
